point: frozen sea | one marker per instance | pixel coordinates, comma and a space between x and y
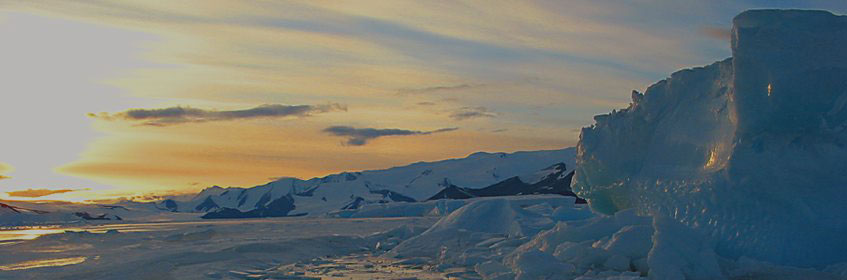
288, 248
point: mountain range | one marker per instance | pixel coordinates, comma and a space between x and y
478, 175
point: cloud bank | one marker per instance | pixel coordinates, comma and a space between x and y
181, 115
361, 136
37, 192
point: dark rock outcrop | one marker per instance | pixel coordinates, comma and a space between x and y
554, 183
207, 205
280, 207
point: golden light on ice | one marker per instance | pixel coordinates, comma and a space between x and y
770, 89
43, 263
713, 158
27, 234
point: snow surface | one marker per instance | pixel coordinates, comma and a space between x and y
521, 237
287, 248
747, 153
217, 249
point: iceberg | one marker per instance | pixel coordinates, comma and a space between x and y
748, 152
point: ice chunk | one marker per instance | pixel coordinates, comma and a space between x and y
486, 229
631, 241
680, 253
491, 269
535, 264
571, 213
747, 152
617, 263
462, 229
746, 268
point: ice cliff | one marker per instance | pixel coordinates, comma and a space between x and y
749, 152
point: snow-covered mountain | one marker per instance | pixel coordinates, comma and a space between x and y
749, 152
6, 209
350, 190
539, 171
16, 213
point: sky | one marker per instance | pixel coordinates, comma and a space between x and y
137, 99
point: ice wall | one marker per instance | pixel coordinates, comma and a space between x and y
750, 151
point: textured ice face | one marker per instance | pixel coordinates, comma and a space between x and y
680, 130
749, 151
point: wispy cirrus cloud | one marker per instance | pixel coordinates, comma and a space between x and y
436, 89
31, 193
466, 113
361, 136
181, 115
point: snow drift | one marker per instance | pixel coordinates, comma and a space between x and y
747, 152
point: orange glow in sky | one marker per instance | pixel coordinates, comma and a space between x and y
132, 98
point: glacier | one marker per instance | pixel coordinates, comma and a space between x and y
748, 152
